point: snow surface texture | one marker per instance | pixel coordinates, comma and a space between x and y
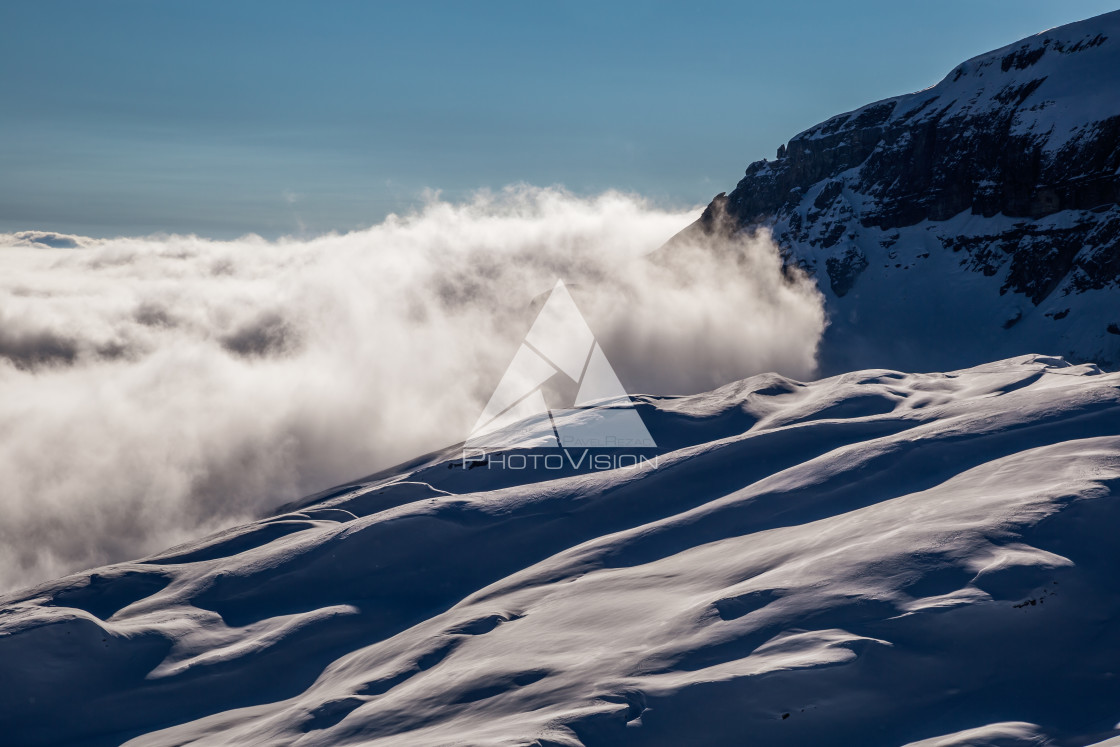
873, 559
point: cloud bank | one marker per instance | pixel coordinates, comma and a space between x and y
154, 389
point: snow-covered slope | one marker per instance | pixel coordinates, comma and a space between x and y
978, 218
874, 559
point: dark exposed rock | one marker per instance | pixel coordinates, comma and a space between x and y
934, 169
843, 271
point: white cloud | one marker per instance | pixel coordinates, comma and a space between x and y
152, 389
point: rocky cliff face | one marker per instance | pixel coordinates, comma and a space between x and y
987, 205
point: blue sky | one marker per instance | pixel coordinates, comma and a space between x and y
222, 118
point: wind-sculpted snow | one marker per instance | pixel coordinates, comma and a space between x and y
876, 559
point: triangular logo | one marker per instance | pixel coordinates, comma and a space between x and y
560, 344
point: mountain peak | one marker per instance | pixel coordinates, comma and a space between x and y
981, 213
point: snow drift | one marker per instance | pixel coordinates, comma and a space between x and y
878, 559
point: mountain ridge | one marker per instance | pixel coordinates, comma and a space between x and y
877, 557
